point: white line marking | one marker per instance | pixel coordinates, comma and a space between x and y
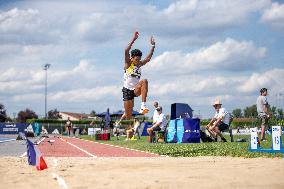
92, 155
60, 180
24, 154
40, 141
7, 140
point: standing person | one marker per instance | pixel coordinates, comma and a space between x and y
155, 115
133, 86
219, 122
136, 127
160, 124
69, 126
263, 111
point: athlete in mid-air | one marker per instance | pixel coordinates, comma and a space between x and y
133, 86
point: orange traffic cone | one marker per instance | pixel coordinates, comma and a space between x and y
42, 165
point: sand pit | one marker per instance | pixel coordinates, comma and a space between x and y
200, 172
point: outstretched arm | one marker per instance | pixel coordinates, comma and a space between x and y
149, 56
127, 49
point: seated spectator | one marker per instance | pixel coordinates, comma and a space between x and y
116, 130
219, 122
136, 127
159, 125
43, 131
129, 132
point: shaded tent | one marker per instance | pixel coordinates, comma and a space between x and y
103, 114
180, 110
120, 112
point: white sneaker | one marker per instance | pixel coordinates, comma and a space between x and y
144, 110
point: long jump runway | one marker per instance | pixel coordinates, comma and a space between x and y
73, 147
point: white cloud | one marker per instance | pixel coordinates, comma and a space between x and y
271, 79
274, 15
192, 14
194, 85
185, 6
99, 22
87, 94
230, 55
16, 20
84, 42
28, 97
22, 81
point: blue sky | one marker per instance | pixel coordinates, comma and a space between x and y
205, 50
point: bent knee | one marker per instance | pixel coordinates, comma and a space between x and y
145, 81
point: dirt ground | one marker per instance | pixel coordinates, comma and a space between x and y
164, 172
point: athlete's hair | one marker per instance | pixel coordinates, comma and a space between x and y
159, 108
136, 52
156, 103
263, 90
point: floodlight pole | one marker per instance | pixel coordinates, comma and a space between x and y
46, 66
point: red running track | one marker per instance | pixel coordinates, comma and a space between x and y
73, 147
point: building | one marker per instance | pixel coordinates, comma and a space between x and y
73, 116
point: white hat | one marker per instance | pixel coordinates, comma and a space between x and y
217, 102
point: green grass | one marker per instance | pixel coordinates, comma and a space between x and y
233, 149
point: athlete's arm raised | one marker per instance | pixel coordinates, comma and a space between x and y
127, 56
149, 56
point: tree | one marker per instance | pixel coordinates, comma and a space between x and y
53, 114
237, 113
250, 111
273, 110
26, 114
280, 113
3, 115
93, 113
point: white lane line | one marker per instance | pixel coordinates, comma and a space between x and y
23, 155
92, 155
55, 176
40, 141
7, 140
60, 180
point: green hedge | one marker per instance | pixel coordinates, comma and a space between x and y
247, 122
54, 121
237, 122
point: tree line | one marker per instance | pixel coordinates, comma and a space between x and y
23, 115
26, 114
251, 112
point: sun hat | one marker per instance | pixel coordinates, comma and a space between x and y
217, 102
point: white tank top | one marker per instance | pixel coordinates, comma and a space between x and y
131, 76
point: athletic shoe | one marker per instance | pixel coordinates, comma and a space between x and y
223, 140
144, 110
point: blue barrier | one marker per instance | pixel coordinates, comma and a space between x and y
172, 132
12, 128
184, 131
146, 126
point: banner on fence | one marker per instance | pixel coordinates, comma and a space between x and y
12, 128
276, 137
